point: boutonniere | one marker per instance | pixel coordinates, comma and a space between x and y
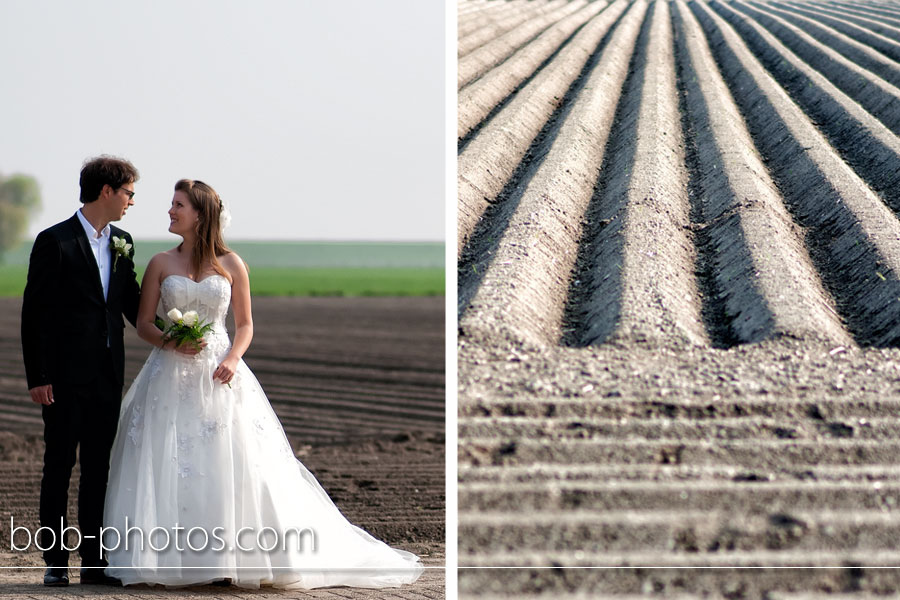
119, 248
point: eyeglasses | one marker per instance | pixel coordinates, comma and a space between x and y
129, 192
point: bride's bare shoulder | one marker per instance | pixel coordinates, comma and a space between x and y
163, 258
234, 264
163, 264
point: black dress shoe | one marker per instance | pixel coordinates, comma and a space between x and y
56, 576
97, 576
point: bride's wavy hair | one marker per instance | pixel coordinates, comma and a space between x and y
209, 244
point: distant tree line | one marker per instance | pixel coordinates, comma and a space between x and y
20, 199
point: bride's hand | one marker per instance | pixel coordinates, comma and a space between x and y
191, 349
226, 370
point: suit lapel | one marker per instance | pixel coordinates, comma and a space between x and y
90, 261
114, 273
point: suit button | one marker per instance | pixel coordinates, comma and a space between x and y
104, 334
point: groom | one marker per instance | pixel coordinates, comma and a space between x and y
78, 289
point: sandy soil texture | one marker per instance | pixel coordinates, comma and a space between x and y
679, 301
358, 384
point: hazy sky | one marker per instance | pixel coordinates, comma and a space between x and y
313, 120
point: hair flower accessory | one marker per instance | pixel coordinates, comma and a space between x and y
224, 216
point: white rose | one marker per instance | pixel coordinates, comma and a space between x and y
175, 315
224, 217
190, 318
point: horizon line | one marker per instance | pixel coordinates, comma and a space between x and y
288, 241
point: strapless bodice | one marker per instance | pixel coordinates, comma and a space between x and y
210, 297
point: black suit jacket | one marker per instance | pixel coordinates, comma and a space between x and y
65, 320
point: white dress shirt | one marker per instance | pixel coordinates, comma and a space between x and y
99, 243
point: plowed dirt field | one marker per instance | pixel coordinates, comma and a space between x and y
679, 297
358, 384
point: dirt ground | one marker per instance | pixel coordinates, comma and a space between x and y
679, 300
358, 384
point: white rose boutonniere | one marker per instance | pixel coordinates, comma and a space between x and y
119, 248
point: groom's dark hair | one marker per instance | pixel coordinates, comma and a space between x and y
105, 170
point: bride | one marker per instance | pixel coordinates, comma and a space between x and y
203, 485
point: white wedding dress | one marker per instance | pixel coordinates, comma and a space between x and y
209, 468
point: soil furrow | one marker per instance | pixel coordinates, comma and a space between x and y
740, 498
617, 407
12, 421
302, 396
839, 576
869, 37
866, 16
467, 8
725, 428
688, 559
547, 474
521, 295
863, 141
761, 281
329, 424
419, 381
377, 379
852, 236
878, 7
318, 386
489, 166
760, 454
371, 411
307, 419
476, 102
358, 406
301, 391
634, 281
350, 416
493, 53
862, 54
878, 96
477, 17
498, 27
689, 531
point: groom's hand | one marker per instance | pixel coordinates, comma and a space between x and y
42, 394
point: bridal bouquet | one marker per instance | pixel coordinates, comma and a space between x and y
185, 328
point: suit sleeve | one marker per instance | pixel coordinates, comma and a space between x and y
132, 292
38, 306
